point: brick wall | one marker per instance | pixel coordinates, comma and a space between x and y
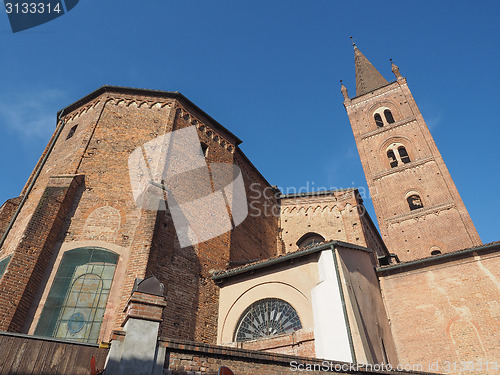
20, 282
446, 308
7, 211
110, 124
184, 357
338, 215
299, 343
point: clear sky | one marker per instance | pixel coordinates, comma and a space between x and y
269, 71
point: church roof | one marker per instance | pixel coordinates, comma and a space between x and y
368, 78
317, 193
437, 259
222, 274
146, 92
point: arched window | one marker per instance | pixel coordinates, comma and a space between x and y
310, 239
266, 318
405, 158
392, 158
77, 299
378, 120
435, 250
3, 264
414, 202
388, 116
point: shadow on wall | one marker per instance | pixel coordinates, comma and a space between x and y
179, 270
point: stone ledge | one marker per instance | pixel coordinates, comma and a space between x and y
385, 128
400, 168
210, 350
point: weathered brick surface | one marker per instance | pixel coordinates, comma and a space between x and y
7, 211
187, 358
446, 310
22, 277
443, 223
300, 343
338, 215
111, 124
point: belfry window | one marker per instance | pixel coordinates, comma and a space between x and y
77, 299
378, 120
392, 158
414, 202
310, 239
3, 264
266, 318
405, 158
388, 116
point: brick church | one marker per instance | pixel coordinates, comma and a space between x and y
305, 275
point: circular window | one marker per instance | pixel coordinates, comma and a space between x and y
266, 318
76, 322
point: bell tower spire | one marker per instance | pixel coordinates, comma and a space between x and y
368, 78
418, 207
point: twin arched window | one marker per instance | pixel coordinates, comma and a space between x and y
266, 318
77, 299
397, 154
389, 118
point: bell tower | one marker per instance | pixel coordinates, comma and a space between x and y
418, 208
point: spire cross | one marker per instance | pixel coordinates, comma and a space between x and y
353, 44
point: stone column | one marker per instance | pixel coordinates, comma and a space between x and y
134, 350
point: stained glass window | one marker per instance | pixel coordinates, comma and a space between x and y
77, 299
265, 318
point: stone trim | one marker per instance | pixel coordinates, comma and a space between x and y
400, 168
421, 212
388, 127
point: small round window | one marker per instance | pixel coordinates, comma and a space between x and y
76, 322
266, 318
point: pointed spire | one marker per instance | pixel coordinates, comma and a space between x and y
395, 70
367, 77
343, 89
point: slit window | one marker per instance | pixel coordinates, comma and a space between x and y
204, 149
392, 158
388, 116
71, 132
414, 202
403, 154
378, 120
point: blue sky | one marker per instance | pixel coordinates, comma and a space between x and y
269, 71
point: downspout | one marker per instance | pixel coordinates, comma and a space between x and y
35, 177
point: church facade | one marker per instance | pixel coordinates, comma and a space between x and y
302, 274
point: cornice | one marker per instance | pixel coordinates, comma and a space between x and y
412, 164
418, 213
386, 128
